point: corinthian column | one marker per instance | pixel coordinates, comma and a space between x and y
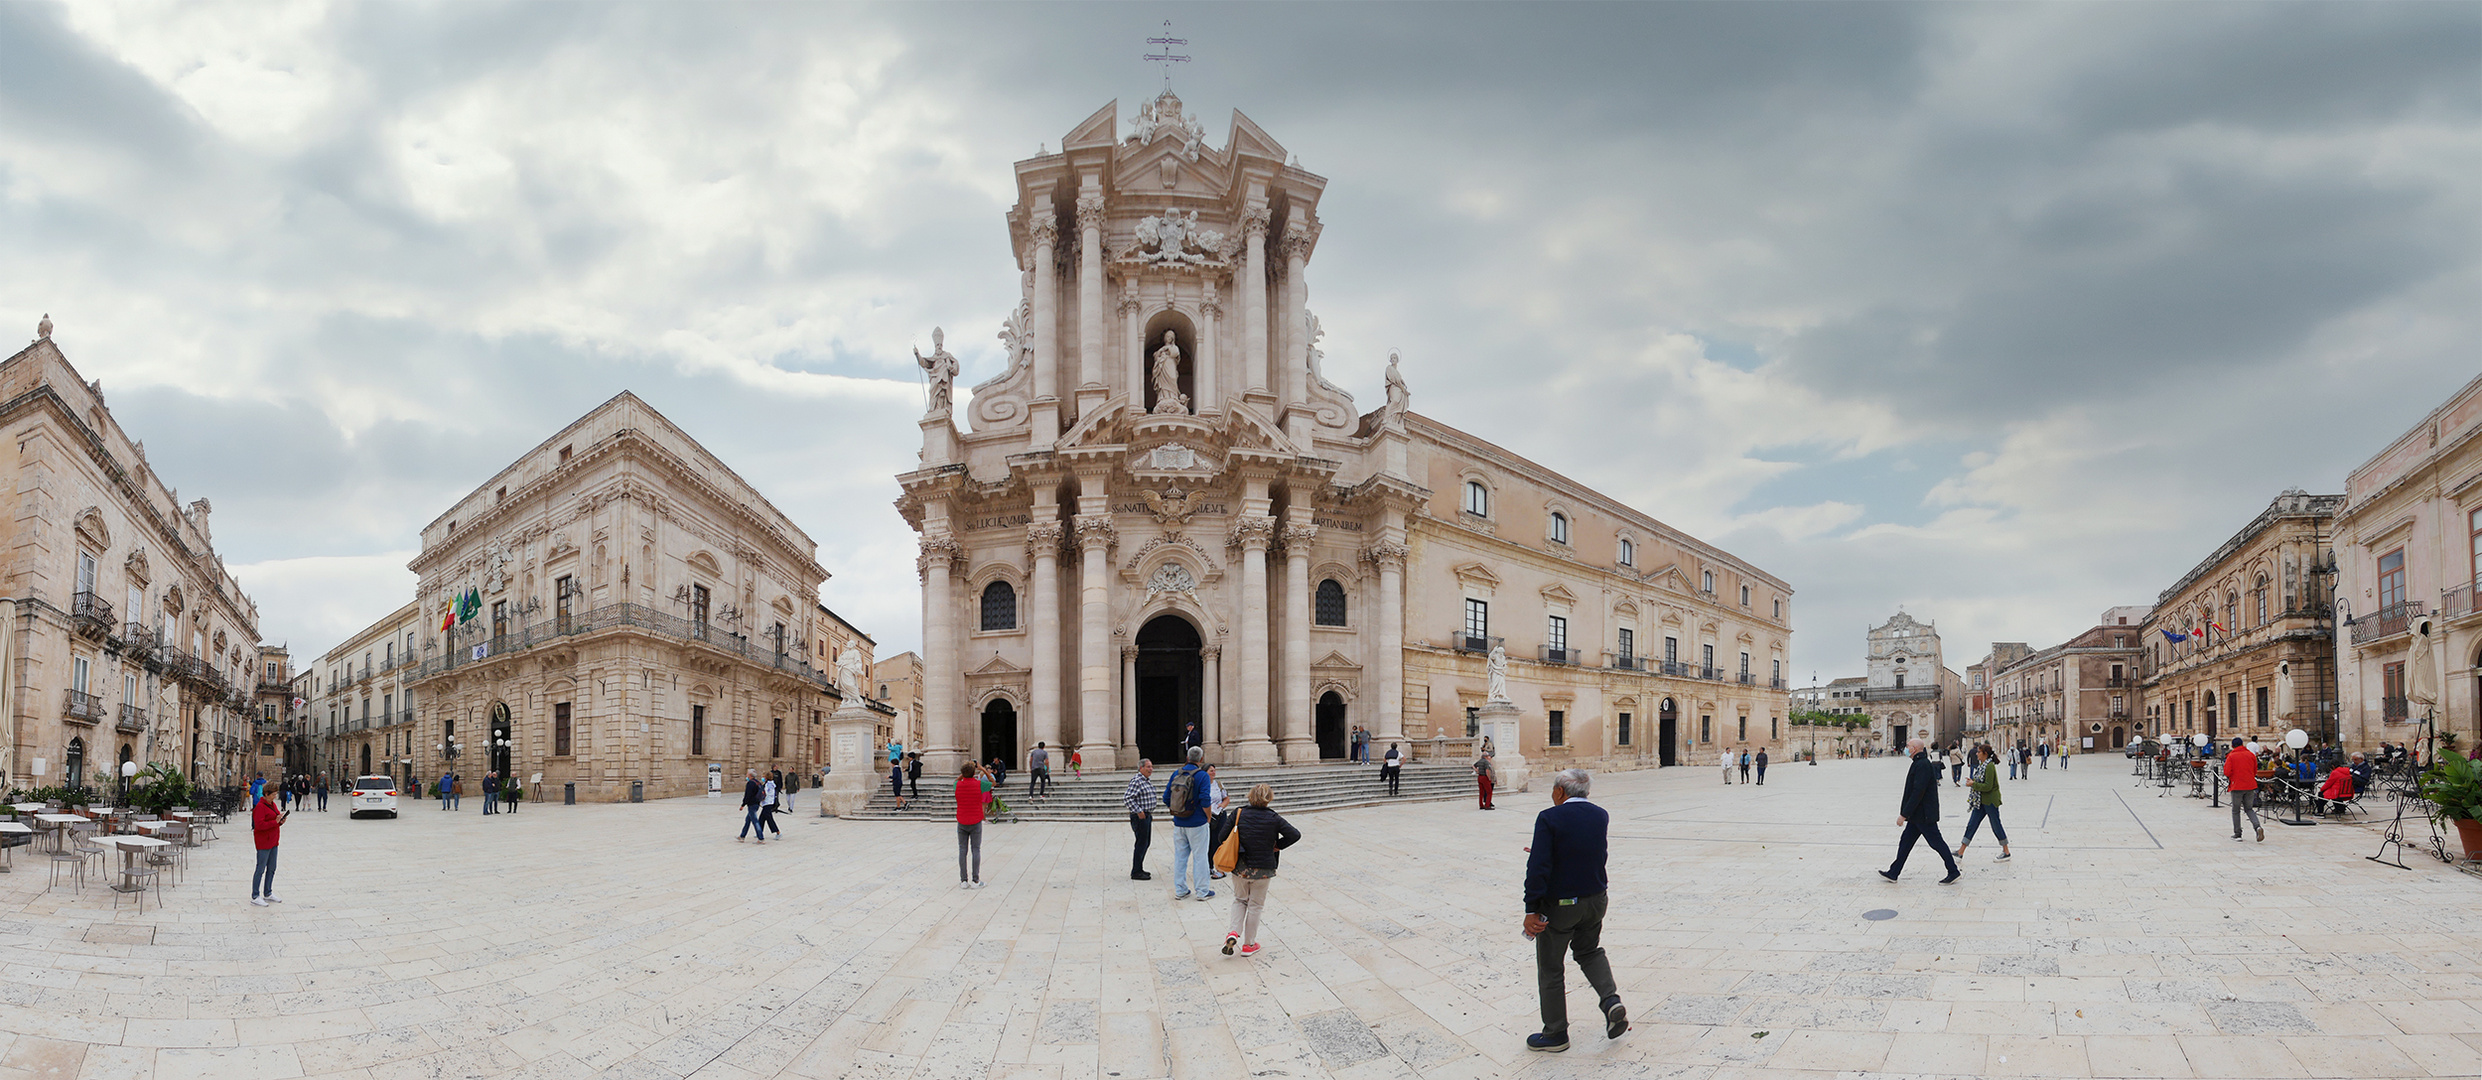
941, 664
1389, 667
1089, 297
1207, 389
1046, 409
1094, 654
1254, 298
1300, 740
1133, 344
1043, 613
1251, 535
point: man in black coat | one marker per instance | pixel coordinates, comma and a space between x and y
1919, 814
1566, 895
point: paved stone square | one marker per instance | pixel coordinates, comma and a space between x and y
2129, 937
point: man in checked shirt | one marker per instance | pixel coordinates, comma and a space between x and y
1140, 798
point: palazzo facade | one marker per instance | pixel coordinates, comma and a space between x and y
1161, 515
125, 638
2411, 531
644, 615
2256, 619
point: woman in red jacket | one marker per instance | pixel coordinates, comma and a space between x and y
265, 823
970, 799
2339, 788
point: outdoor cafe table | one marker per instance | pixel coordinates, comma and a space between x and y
59, 825
9, 827
186, 817
131, 847
26, 807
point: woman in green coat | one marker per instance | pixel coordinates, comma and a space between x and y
1983, 800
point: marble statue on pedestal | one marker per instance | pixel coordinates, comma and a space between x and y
1167, 378
942, 367
1498, 675
1399, 397
849, 673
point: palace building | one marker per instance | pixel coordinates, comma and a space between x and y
2244, 643
1161, 514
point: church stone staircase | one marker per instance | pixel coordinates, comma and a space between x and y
1097, 797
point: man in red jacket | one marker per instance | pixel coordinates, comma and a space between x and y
2240, 773
265, 822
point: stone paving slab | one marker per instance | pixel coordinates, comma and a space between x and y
2129, 937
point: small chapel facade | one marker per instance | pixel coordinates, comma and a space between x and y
1162, 519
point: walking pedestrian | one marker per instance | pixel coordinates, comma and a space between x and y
1956, 765
1189, 739
1186, 797
1486, 775
767, 811
1982, 799
266, 824
321, 787
2064, 754
491, 793
970, 800
1139, 797
510, 794
1219, 821
1392, 767
1919, 814
2240, 773
446, 803
2012, 763
1077, 764
1263, 833
896, 783
1745, 766
258, 788
792, 783
1039, 763
1727, 763
284, 795
1762, 767
456, 792
751, 793
1566, 895
2044, 751
913, 774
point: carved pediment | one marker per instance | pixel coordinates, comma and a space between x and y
1625, 609
92, 530
995, 667
1744, 638
704, 563
1559, 594
1475, 573
1335, 661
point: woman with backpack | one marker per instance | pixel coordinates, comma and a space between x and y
1982, 800
1261, 834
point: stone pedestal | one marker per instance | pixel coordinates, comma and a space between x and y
853, 760
1498, 722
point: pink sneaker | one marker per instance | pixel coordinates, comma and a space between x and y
1250, 949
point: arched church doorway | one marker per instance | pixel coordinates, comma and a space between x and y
999, 732
1331, 725
1171, 678
1669, 720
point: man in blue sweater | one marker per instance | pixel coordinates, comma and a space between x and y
1565, 897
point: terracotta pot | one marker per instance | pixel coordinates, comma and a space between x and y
2470, 831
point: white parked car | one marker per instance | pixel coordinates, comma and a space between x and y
373, 795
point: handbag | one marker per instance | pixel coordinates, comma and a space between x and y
1228, 854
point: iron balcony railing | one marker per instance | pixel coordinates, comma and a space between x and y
1679, 670
84, 708
1552, 655
2457, 602
1464, 641
1744, 678
1626, 662
2386, 622
91, 611
1775, 684
466, 646
133, 720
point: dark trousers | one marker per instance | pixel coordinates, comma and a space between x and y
913, 785
323, 800
1041, 784
896, 784
1974, 821
767, 821
1922, 830
1576, 929
1762, 775
1144, 826
1392, 773
1745, 772
749, 821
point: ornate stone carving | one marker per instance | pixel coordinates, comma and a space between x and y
1162, 117
1210, 652
1172, 577
1095, 530
1043, 537
1090, 213
1299, 537
1251, 532
1400, 397
1254, 221
1045, 229
1172, 508
495, 568
849, 672
1172, 456
939, 551
1498, 674
1387, 555
942, 367
1175, 238
1000, 400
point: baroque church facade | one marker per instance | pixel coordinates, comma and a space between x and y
1161, 516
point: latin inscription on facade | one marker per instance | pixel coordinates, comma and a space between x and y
1325, 522
1001, 521
1142, 508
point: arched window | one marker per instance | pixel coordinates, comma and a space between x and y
2231, 610
1559, 528
2258, 599
999, 606
1330, 603
1706, 582
1744, 596
1477, 499
1628, 552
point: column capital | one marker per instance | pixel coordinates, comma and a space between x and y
1043, 538
1387, 555
1045, 229
1297, 539
1252, 533
1090, 212
1210, 652
940, 551
1129, 653
1095, 531
1255, 220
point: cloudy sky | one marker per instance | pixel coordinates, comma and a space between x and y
2001, 313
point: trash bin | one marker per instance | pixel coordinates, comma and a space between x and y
568, 794
637, 791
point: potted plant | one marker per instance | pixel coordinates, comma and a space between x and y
2453, 784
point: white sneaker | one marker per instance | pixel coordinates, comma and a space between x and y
274, 899
258, 901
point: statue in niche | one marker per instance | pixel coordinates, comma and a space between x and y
1399, 397
1168, 396
1498, 672
942, 367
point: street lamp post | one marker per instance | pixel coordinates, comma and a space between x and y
128, 769
1814, 714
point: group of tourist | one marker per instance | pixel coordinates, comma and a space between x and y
1746, 760
292, 791
759, 798
500, 794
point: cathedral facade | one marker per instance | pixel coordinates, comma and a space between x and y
1161, 518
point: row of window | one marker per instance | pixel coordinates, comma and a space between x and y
1478, 503
999, 606
1556, 727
